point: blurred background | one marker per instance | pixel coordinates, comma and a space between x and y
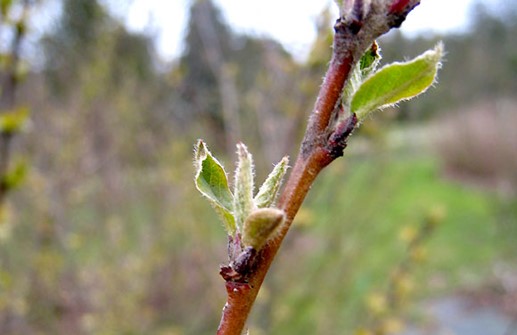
414, 231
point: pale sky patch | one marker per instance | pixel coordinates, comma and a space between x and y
291, 22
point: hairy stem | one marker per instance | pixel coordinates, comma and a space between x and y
323, 142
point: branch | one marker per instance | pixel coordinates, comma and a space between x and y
324, 141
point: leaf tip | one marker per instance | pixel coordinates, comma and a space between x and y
435, 55
269, 190
200, 152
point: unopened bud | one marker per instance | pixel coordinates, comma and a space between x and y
260, 226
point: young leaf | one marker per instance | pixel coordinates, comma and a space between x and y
370, 59
353, 83
269, 190
260, 225
243, 200
396, 82
212, 182
367, 64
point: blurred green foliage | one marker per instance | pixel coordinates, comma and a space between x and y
13, 115
348, 242
109, 236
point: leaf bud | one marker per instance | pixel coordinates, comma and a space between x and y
260, 226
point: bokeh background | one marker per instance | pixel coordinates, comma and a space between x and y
414, 231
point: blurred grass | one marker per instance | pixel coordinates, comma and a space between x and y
346, 243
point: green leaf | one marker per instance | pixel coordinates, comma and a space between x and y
396, 82
367, 64
370, 59
243, 199
13, 121
212, 182
352, 84
269, 190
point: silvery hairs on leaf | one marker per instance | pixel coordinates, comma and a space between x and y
211, 181
243, 185
397, 82
366, 65
268, 192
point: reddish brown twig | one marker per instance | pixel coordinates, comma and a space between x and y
324, 139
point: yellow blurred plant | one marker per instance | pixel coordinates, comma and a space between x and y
13, 117
385, 308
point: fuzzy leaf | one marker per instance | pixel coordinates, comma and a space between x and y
353, 83
269, 190
212, 182
370, 59
396, 82
367, 64
243, 200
